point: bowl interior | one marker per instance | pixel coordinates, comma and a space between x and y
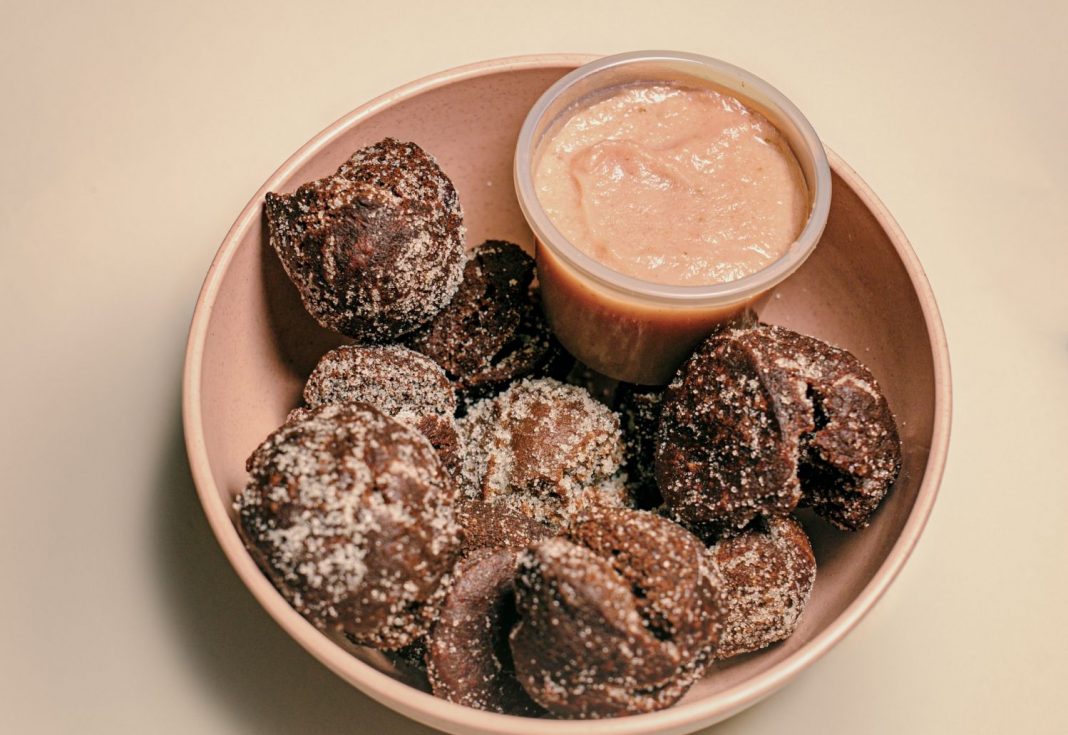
258, 343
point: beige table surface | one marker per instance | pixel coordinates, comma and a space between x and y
132, 135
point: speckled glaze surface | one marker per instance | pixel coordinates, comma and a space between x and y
251, 345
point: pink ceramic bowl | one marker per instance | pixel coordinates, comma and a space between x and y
251, 345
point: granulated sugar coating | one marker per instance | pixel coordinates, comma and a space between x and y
850, 462
729, 436
545, 448
617, 618
468, 658
350, 513
376, 249
767, 576
757, 411
500, 525
668, 569
492, 332
403, 384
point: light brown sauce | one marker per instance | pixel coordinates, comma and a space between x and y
674, 185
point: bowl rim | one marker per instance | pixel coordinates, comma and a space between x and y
435, 712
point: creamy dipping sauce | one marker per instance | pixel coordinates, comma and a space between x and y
675, 185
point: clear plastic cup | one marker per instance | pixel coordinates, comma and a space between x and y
621, 326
